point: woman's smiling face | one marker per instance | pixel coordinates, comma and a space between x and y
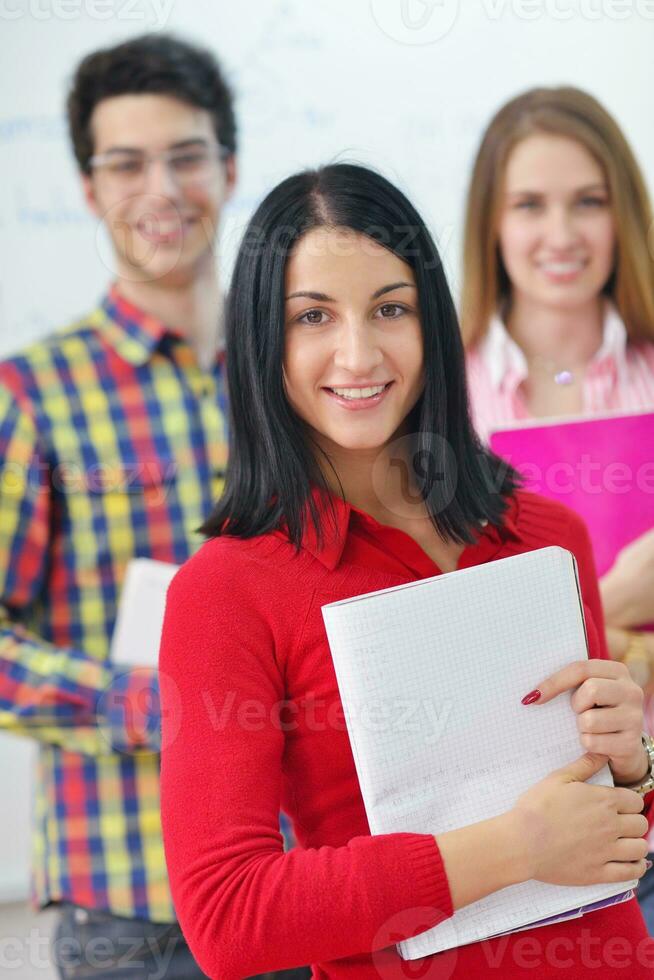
353, 360
556, 234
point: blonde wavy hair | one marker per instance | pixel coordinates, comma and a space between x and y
570, 112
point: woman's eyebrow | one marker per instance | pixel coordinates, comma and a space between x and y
584, 189
390, 288
307, 294
592, 187
324, 298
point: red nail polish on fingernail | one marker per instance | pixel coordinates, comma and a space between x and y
531, 697
648, 864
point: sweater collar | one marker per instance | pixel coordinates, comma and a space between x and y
336, 515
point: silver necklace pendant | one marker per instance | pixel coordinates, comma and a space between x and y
560, 376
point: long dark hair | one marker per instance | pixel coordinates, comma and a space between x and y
272, 465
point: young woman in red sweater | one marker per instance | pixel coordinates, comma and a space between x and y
353, 467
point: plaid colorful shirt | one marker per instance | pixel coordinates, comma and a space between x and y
112, 446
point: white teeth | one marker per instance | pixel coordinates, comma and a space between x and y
562, 268
354, 393
162, 228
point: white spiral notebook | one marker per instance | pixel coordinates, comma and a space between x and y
431, 676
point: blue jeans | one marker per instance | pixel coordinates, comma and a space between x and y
89, 943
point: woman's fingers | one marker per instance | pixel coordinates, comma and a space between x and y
607, 692
621, 747
574, 674
602, 721
624, 871
629, 849
627, 801
632, 825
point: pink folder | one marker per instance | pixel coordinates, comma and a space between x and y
603, 468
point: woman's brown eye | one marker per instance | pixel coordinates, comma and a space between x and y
391, 309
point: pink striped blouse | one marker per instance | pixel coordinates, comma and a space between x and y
620, 376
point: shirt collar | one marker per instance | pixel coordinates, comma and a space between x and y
133, 333
334, 518
614, 343
506, 361
501, 354
335, 515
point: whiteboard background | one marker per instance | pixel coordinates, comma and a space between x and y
316, 80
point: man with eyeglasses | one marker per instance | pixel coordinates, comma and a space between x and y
113, 446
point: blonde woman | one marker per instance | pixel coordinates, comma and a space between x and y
558, 296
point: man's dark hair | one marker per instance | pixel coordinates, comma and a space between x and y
272, 464
154, 64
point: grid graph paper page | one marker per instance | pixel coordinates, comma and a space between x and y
431, 674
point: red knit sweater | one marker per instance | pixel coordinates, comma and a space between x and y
253, 722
